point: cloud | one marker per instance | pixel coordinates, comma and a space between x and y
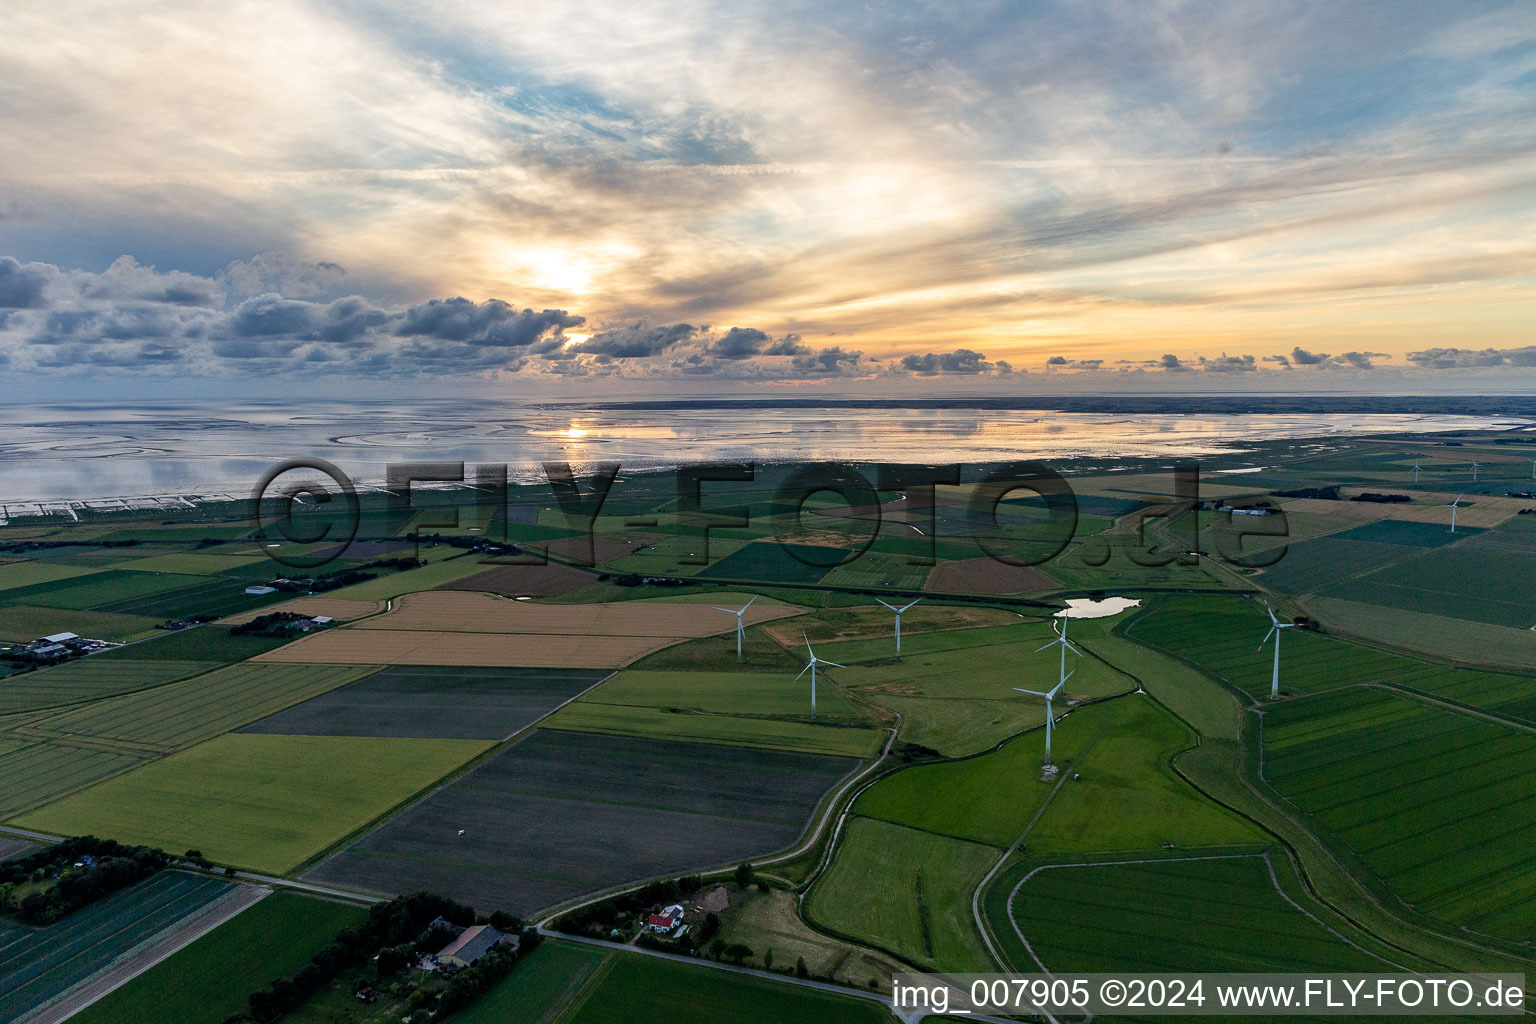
1171, 363
1359, 360
492, 323
1283, 360
961, 360
637, 341
833, 360
1063, 363
25, 285
1229, 364
739, 343
1301, 357
1464, 358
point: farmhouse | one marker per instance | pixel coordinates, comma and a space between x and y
471, 945
258, 591
666, 922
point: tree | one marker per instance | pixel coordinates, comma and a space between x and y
800, 969
768, 959
744, 875
717, 948
738, 952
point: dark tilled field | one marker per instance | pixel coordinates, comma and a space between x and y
431, 702
548, 580
561, 814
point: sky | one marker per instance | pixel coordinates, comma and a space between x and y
750, 196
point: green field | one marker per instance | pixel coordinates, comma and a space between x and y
210, 643
747, 694
760, 653
198, 564
30, 573
906, 891
1127, 797
26, 622
961, 700
209, 980
1461, 581
1314, 565
1206, 707
633, 989
915, 643
102, 591
773, 562
34, 771
1435, 803
985, 799
262, 802
879, 571
1221, 636
92, 678
662, 724
541, 987
433, 574
178, 715
1169, 915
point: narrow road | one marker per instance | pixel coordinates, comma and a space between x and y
317, 890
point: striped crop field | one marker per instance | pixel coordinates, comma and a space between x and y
168, 718
1436, 803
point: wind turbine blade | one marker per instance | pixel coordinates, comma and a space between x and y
1048, 646
728, 611
1032, 693
1271, 614
808, 644
890, 606
910, 605
1073, 648
832, 663
805, 670
748, 604
1266, 638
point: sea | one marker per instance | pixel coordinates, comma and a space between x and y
191, 451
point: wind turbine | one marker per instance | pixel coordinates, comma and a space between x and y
1061, 638
1050, 717
1452, 507
898, 612
741, 630
1533, 469
811, 667
1474, 471
1274, 631
1416, 471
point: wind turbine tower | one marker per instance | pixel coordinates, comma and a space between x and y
1274, 631
1474, 471
1416, 471
1050, 716
1452, 507
811, 668
741, 629
898, 612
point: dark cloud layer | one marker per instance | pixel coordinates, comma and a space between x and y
961, 360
